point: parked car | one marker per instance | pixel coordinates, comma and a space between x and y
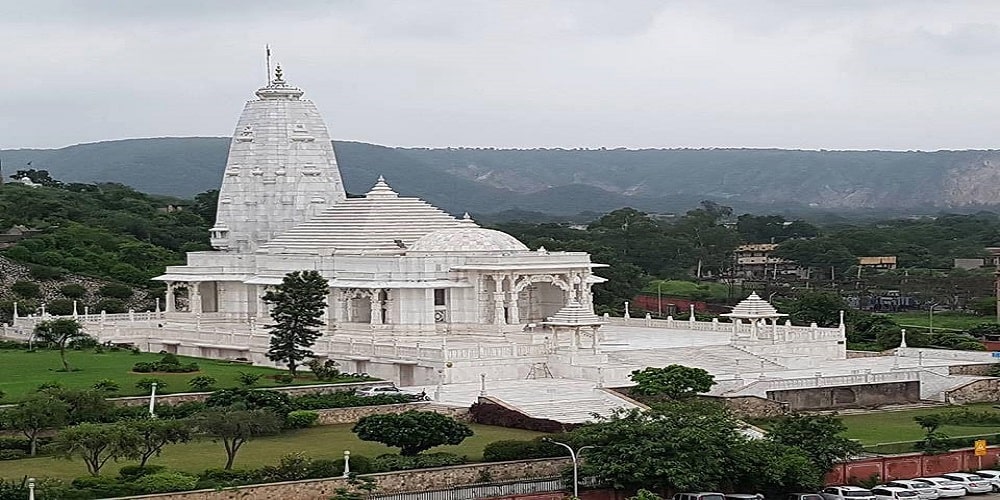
804, 496
744, 496
993, 476
946, 487
923, 490
391, 389
699, 496
894, 493
971, 482
847, 493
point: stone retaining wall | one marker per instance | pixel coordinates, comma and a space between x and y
292, 390
979, 391
389, 482
980, 369
352, 414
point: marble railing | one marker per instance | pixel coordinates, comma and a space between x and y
760, 387
785, 331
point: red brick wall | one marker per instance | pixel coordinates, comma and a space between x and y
911, 465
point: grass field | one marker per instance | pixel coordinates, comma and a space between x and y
328, 441
22, 371
948, 319
894, 426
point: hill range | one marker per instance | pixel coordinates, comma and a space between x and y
571, 181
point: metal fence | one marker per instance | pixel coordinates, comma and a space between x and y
475, 491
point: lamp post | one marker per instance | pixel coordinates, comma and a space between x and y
31, 488
347, 463
659, 300
152, 400
931, 319
573, 455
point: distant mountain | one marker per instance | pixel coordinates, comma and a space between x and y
560, 181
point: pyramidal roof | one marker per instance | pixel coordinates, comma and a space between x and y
381, 221
754, 307
574, 314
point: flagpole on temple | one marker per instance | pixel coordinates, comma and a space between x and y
267, 49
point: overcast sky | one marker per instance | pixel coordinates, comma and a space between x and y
840, 74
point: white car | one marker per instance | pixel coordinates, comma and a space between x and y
894, 493
971, 482
847, 493
945, 487
390, 389
993, 476
923, 491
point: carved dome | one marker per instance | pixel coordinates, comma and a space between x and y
467, 238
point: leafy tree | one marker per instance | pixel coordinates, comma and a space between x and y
681, 446
673, 382
82, 405
157, 433
234, 427
73, 290
26, 289
820, 436
412, 431
202, 383
60, 307
771, 468
98, 443
116, 291
822, 308
297, 306
60, 332
38, 413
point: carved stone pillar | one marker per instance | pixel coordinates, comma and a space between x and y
194, 296
498, 311
336, 305
261, 305
376, 306
170, 299
512, 307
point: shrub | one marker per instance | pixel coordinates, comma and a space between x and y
110, 306
284, 378
502, 451
132, 472
46, 272
163, 482
324, 371
388, 463
83, 342
329, 468
169, 359
277, 402
248, 379
73, 290
99, 487
60, 307
45, 386
115, 291
106, 385
12, 454
26, 289
300, 419
144, 367
202, 383
346, 399
146, 384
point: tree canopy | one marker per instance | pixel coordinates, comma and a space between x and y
412, 431
297, 306
673, 382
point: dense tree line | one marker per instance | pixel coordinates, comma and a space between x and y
105, 230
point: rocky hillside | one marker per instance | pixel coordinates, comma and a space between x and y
559, 181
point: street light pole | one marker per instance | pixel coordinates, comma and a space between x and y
659, 300
31, 488
152, 400
574, 456
931, 320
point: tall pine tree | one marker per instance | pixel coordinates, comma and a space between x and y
296, 307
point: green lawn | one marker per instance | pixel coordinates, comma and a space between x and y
949, 319
893, 426
22, 371
328, 441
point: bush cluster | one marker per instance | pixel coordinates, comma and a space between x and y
502, 451
300, 419
167, 364
491, 414
389, 462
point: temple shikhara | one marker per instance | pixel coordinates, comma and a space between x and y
433, 301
